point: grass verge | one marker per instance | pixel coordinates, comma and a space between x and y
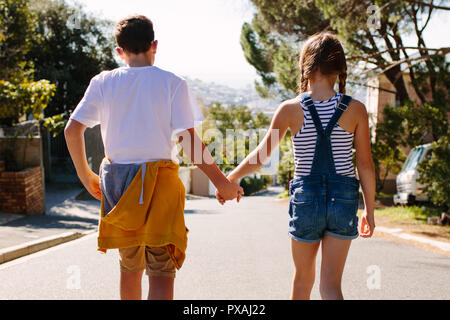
413, 213
412, 219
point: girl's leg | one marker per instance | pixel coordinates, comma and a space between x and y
334, 254
304, 256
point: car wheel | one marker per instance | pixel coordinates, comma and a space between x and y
411, 200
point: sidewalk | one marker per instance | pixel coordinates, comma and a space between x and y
66, 219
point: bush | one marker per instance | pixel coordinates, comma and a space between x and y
286, 167
27, 97
255, 184
16, 101
435, 173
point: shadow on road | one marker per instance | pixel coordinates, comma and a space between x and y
272, 191
54, 222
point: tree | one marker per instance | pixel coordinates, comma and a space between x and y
373, 37
227, 147
19, 94
23, 99
235, 117
17, 33
73, 47
219, 119
373, 34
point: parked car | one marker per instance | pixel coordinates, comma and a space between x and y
409, 191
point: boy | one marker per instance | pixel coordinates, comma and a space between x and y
139, 108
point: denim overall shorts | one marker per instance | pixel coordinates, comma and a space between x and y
323, 202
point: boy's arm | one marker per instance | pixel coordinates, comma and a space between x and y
74, 134
198, 153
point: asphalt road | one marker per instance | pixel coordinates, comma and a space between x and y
238, 251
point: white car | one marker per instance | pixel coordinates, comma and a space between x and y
409, 191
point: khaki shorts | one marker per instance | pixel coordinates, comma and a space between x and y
155, 260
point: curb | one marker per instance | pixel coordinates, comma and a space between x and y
406, 236
196, 197
11, 253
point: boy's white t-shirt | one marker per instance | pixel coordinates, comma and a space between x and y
139, 110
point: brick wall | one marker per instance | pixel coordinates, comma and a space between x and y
22, 192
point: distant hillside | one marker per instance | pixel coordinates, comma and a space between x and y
209, 92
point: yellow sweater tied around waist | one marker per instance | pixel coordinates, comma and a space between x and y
149, 213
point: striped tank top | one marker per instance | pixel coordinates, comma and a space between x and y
304, 141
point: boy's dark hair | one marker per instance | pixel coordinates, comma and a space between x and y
134, 34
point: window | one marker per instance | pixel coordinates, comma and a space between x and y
413, 158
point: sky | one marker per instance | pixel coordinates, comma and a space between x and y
198, 43
200, 38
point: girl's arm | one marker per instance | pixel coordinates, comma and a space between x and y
366, 171
281, 121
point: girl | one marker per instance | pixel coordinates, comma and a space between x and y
324, 194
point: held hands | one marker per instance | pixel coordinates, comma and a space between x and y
229, 191
92, 184
367, 225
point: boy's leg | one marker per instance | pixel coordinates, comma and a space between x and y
160, 288
161, 272
131, 285
132, 265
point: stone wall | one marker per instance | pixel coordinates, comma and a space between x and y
185, 176
200, 183
31, 156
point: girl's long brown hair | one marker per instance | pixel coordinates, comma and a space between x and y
322, 51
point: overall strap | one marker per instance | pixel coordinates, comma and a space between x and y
306, 100
323, 156
341, 107
323, 161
